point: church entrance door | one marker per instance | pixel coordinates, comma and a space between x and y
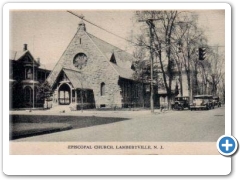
64, 94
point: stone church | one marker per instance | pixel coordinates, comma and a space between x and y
92, 73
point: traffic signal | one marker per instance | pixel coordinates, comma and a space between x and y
202, 53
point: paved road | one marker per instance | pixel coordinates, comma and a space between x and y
172, 126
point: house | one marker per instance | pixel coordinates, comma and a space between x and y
26, 75
95, 74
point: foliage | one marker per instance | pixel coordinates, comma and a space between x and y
174, 38
44, 91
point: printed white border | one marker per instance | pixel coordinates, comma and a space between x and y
115, 165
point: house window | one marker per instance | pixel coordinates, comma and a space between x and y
29, 74
102, 90
80, 41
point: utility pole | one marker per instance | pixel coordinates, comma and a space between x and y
151, 26
33, 74
33, 84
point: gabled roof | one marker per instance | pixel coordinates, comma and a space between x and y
122, 66
76, 78
123, 72
123, 58
16, 55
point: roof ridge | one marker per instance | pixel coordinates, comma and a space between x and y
22, 53
102, 53
61, 59
110, 44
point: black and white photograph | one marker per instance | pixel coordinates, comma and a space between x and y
116, 81
118, 89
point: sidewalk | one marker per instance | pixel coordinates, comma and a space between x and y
92, 112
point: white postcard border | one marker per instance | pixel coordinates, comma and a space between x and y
114, 165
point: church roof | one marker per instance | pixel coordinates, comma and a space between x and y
123, 59
119, 60
76, 79
123, 72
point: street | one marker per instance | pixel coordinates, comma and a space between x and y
142, 126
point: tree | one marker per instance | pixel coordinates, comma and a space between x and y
163, 30
177, 39
44, 92
141, 68
216, 70
190, 38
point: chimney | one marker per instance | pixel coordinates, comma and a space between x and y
82, 26
38, 61
25, 47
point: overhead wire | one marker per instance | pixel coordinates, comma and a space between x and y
81, 17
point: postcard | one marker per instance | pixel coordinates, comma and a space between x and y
89, 80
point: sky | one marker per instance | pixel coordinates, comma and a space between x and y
48, 33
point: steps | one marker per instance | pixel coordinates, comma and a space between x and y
61, 108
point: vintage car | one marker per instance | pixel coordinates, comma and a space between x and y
216, 101
202, 102
181, 103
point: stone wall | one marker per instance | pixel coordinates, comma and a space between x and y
97, 70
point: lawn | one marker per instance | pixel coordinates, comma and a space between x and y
31, 125
20, 130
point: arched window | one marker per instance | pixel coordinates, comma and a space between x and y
29, 74
102, 90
